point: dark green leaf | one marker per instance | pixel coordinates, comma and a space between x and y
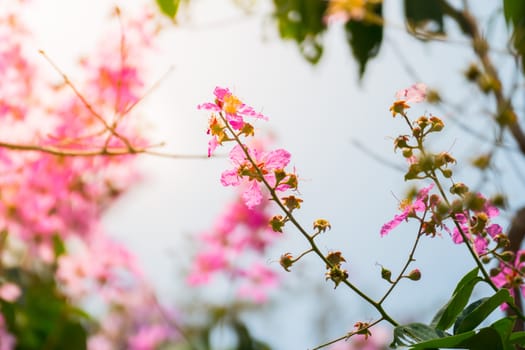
504, 327
445, 342
484, 339
169, 7
466, 312
302, 21
514, 11
414, 333
365, 39
446, 316
424, 16
517, 338
480, 312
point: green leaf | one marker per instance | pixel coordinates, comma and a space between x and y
169, 7
504, 327
514, 11
517, 338
481, 310
365, 39
414, 333
446, 316
424, 16
302, 21
445, 342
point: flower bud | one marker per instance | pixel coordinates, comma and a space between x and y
286, 261
321, 225
386, 274
336, 275
292, 202
459, 188
437, 124
485, 259
335, 258
398, 107
507, 256
472, 73
447, 173
414, 275
277, 223
401, 142
407, 152
494, 271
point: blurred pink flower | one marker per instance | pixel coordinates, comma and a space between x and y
415, 93
407, 208
257, 282
10, 292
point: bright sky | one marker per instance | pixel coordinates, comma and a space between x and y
315, 113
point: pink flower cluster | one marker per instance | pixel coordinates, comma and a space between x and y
252, 167
415, 93
477, 227
510, 275
44, 195
420, 204
245, 173
136, 322
229, 109
48, 199
234, 248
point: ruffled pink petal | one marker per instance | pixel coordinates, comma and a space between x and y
237, 156
392, 224
212, 145
209, 107
494, 230
235, 121
230, 178
220, 93
252, 196
277, 159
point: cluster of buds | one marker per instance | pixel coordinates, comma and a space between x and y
335, 272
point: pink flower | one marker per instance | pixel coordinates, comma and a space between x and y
244, 171
149, 337
259, 280
206, 264
232, 109
415, 93
509, 277
10, 292
408, 208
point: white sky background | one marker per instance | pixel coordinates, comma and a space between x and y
315, 113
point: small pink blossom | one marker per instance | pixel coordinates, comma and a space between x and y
258, 281
232, 109
408, 208
415, 93
149, 337
10, 292
244, 171
509, 276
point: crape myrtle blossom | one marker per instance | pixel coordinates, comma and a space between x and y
408, 209
477, 226
227, 107
415, 93
244, 172
510, 276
